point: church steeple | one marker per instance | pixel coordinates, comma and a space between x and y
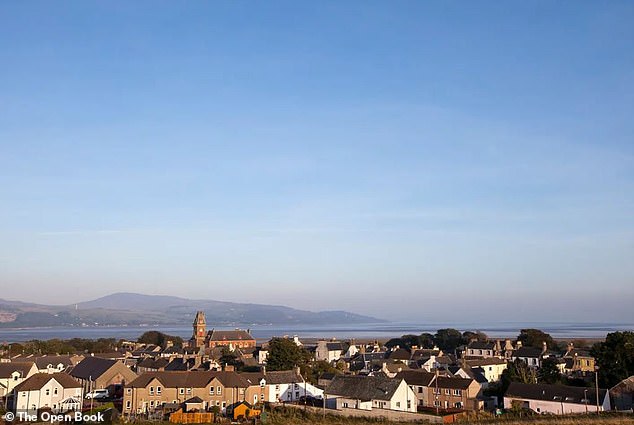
200, 328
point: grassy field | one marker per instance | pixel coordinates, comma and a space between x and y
298, 417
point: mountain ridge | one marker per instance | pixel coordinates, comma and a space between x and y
128, 308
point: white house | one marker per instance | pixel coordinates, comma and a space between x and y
555, 399
287, 385
56, 391
369, 393
492, 368
12, 374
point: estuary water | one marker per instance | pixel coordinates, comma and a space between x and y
380, 331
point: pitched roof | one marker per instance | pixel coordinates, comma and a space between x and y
42, 362
92, 368
416, 377
174, 379
235, 335
489, 361
364, 388
453, 383
6, 369
399, 354
38, 380
481, 345
527, 352
557, 393
151, 363
283, 377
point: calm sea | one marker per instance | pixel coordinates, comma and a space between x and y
358, 331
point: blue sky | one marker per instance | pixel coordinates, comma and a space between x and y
409, 160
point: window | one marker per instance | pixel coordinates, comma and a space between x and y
447, 392
436, 403
158, 390
420, 390
189, 390
457, 392
398, 404
151, 390
345, 404
128, 404
296, 394
181, 390
128, 390
55, 390
15, 377
211, 390
457, 405
219, 390
48, 391
217, 403
277, 387
151, 403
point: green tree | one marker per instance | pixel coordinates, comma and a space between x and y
536, 338
284, 354
448, 339
615, 358
320, 367
548, 372
426, 340
159, 338
518, 371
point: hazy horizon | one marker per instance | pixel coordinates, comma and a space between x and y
404, 160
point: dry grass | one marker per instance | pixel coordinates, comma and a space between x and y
298, 417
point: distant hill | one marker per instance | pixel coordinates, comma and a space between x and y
129, 309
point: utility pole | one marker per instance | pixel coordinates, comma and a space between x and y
596, 383
585, 399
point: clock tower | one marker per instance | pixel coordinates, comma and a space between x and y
200, 329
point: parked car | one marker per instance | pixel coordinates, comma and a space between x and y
98, 395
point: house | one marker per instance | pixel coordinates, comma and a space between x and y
370, 393
481, 349
286, 385
391, 368
56, 391
366, 362
12, 374
150, 364
555, 399
329, 351
454, 393
96, 373
530, 355
492, 367
622, 394
578, 360
419, 381
151, 390
52, 364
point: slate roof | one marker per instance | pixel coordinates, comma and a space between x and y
92, 368
177, 379
38, 380
489, 361
151, 363
526, 352
42, 362
235, 335
334, 346
364, 388
556, 393
399, 354
415, 377
6, 369
283, 377
453, 383
481, 345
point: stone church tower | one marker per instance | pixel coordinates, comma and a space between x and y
200, 330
